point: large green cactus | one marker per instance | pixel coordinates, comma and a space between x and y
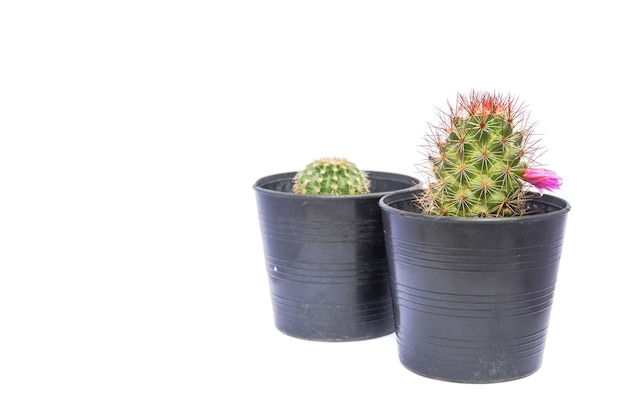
479, 156
331, 176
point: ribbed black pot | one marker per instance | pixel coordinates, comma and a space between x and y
472, 296
326, 259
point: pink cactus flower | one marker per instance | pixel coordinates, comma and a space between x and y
542, 178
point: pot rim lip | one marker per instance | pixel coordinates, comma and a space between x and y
259, 186
403, 196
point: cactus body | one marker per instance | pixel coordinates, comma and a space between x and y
478, 156
331, 176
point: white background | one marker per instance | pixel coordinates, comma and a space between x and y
132, 281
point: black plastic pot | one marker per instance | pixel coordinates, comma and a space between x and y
326, 260
472, 296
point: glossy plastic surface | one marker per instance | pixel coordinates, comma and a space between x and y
472, 296
326, 260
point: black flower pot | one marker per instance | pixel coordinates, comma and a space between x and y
326, 260
472, 296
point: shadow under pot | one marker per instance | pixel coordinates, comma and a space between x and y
326, 260
472, 296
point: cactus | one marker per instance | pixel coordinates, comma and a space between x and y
480, 156
331, 176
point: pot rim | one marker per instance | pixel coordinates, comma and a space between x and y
261, 185
563, 207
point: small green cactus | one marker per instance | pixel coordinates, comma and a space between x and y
479, 156
331, 176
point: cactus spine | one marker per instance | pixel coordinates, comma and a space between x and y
331, 176
478, 156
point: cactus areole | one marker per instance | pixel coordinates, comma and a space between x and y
331, 176
481, 159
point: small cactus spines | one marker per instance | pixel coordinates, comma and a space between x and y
480, 157
331, 176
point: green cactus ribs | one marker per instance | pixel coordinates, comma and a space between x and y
331, 176
477, 156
